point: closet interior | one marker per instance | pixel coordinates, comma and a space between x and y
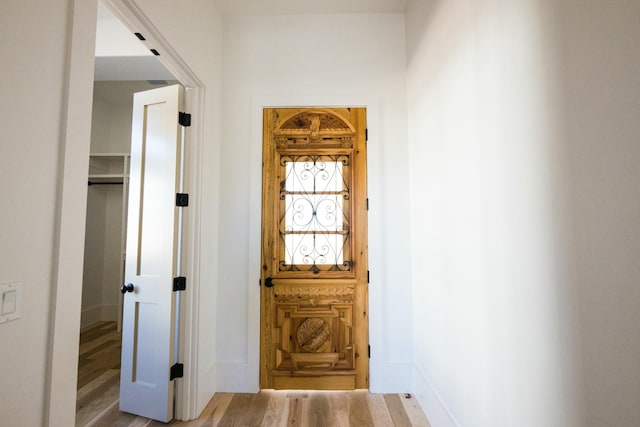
105, 238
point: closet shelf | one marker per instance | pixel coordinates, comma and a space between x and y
108, 168
106, 179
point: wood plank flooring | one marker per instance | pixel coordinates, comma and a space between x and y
99, 383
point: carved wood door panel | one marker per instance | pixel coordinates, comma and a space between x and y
314, 323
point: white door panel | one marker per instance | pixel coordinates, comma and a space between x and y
149, 310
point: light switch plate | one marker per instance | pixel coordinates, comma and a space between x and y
10, 301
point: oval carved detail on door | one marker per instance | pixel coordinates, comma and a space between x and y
313, 335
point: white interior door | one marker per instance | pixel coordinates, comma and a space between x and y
149, 306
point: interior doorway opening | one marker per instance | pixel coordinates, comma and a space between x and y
105, 239
117, 78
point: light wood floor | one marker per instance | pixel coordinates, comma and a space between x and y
99, 382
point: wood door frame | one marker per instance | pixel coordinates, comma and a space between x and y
60, 393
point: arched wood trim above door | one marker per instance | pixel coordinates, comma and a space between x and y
313, 126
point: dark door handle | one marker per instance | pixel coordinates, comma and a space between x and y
126, 288
268, 282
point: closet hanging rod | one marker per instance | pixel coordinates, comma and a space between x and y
104, 183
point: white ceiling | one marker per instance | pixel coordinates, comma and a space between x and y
287, 7
121, 56
114, 39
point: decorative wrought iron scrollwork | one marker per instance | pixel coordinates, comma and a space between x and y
314, 218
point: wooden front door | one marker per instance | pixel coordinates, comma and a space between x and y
314, 322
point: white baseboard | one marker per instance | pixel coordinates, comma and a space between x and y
236, 377
90, 315
99, 313
206, 388
430, 402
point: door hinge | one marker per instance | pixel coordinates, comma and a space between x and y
367, 203
179, 283
369, 351
368, 276
176, 371
182, 199
184, 119
366, 134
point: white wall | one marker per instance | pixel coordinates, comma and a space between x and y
110, 133
112, 109
310, 61
111, 279
31, 115
94, 250
495, 326
602, 75
100, 121
102, 255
